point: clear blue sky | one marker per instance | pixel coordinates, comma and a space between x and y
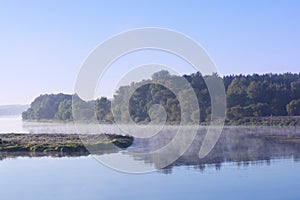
43, 43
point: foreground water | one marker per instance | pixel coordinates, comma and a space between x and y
85, 178
245, 164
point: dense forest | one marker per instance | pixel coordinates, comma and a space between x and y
253, 99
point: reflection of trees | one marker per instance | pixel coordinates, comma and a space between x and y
242, 146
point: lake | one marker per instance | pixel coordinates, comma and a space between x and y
243, 165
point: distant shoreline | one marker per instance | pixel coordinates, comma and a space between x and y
247, 121
12, 110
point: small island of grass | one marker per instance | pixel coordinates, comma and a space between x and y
62, 143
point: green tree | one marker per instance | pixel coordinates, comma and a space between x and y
293, 108
103, 110
236, 93
64, 110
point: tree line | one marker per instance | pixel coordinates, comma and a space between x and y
255, 99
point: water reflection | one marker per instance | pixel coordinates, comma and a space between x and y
242, 146
4, 155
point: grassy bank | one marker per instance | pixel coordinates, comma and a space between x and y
63, 143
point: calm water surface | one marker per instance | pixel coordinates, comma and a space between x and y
241, 166
85, 178
12, 123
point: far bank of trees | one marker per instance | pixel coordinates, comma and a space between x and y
250, 99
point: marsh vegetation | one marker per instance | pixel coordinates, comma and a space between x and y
63, 143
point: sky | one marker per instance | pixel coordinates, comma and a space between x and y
44, 43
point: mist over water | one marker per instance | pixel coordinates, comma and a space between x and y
240, 144
12, 124
244, 160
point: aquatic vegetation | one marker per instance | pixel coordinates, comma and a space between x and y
62, 142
